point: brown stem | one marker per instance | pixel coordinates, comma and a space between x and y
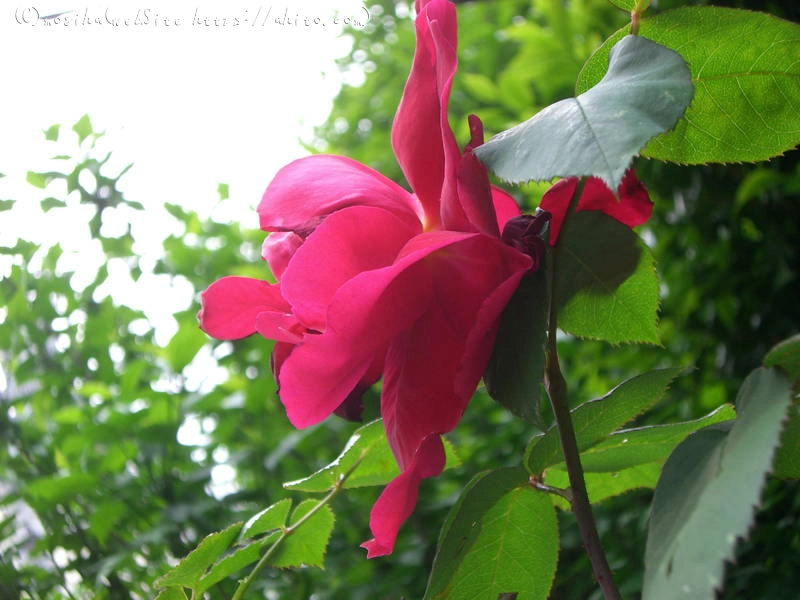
557, 390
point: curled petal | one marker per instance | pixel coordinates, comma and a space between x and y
421, 136
472, 208
632, 208
349, 242
397, 501
278, 249
307, 190
231, 305
474, 198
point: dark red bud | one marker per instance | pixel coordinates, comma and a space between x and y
528, 234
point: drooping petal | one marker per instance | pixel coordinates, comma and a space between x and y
505, 207
365, 315
433, 366
348, 242
309, 189
278, 248
231, 305
632, 208
421, 136
397, 501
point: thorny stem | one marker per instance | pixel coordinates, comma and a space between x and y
287, 531
557, 390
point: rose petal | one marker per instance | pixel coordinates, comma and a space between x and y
231, 305
364, 316
433, 366
421, 136
278, 249
397, 501
505, 207
349, 242
307, 190
632, 208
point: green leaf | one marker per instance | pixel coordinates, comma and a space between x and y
516, 368
56, 489
237, 560
6, 205
485, 547
746, 71
596, 419
172, 593
377, 467
51, 133
306, 545
785, 355
708, 491
480, 87
105, 517
83, 128
602, 486
626, 5
654, 443
40, 180
644, 93
190, 570
50, 203
273, 517
222, 190
185, 344
787, 459
606, 282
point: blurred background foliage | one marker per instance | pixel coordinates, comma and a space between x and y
123, 450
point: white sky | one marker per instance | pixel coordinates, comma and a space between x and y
191, 105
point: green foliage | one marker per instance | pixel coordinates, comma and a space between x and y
484, 546
83, 128
707, 492
271, 518
596, 419
95, 405
602, 486
630, 459
644, 93
515, 371
651, 443
746, 72
367, 458
191, 569
606, 281
307, 544
786, 355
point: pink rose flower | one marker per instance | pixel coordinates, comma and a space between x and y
374, 281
